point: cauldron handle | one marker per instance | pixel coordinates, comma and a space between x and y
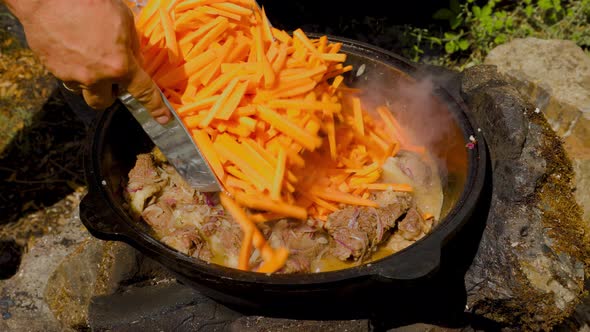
420, 262
98, 218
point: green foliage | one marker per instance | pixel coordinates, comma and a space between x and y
474, 29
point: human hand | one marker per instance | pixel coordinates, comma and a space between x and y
91, 44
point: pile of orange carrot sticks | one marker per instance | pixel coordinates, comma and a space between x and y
270, 112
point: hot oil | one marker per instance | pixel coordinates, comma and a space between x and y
331, 263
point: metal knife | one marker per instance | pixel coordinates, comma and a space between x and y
176, 143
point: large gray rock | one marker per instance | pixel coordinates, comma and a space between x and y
530, 265
555, 74
22, 304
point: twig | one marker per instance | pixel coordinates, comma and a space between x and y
36, 181
76, 176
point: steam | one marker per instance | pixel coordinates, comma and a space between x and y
424, 116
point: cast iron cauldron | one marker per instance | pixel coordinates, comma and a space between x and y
116, 140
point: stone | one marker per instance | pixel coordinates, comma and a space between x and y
71, 285
555, 74
170, 306
22, 304
167, 306
259, 323
533, 255
96, 268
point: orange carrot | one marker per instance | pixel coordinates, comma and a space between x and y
205, 145
262, 203
220, 101
275, 192
289, 128
170, 35
245, 250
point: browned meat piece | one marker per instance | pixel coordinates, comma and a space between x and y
225, 239
386, 198
189, 243
412, 165
357, 231
306, 244
159, 216
414, 227
410, 228
144, 182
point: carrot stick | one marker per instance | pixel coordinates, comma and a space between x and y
181, 73
147, 12
263, 203
245, 250
170, 36
275, 192
288, 128
332, 195
220, 101
232, 102
198, 105
208, 38
387, 186
205, 145
264, 217
277, 261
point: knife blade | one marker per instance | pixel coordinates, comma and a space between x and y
176, 143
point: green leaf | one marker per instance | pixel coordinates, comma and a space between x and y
455, 22
500, 39
463, 44
528, 10
476, 11
450, 36
450, 47
545, 4
498, 24
443, 14
486, 10
436, 40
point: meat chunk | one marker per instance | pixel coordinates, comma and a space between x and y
357, 231
306, 244
413, 227
144, 182
410, 166
159, 216
189, 242
226, 239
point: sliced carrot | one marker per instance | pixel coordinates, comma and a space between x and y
277, 261
289, 128
388, 186
232, 102
180, 74
147, 12
198, 105
263, 203
208, 38
340, 197
264, 217
170, 35
275, 192
206, 146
